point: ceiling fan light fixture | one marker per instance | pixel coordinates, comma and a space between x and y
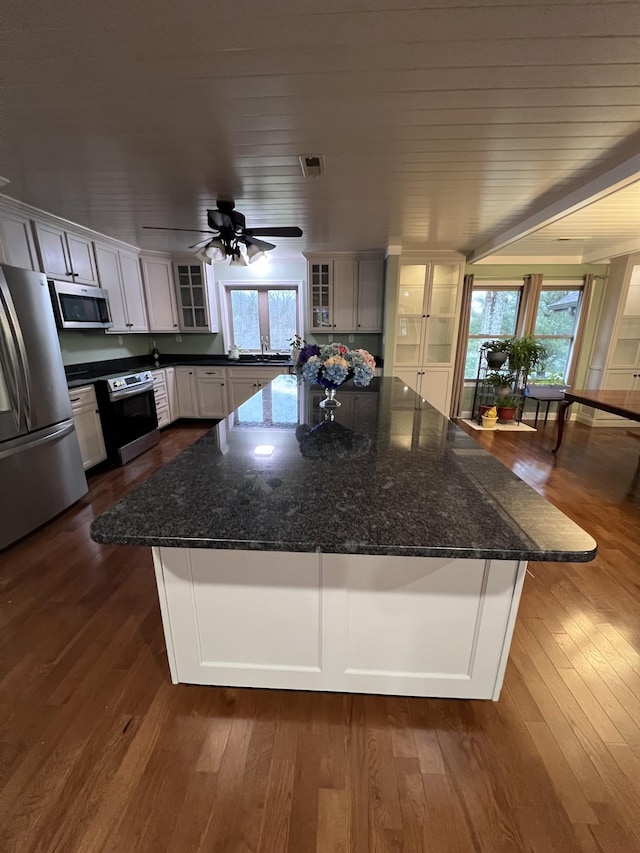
216, 251
203, 257
239, 260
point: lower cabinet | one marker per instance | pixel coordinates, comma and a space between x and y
164, 391
186, 391
433, 385
215, 392
88, 427
212, 393
244, 382
172, 394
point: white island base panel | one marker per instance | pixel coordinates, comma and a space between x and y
412, 626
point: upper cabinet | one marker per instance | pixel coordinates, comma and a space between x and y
180, 296
422, 328
196, 297
161, 298
427, 314
18, 245
65, 255
119, 274
370, 295
345, 293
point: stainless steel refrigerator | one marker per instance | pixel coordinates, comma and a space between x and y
41, 470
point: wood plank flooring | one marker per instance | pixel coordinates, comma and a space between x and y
100, 753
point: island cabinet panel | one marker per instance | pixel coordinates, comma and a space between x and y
416, 626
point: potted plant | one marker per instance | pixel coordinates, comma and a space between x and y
508, 406
496, 352
501, 382
490, 418
525, 354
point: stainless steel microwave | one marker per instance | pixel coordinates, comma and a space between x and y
80, 306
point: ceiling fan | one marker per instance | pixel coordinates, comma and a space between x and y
230, 238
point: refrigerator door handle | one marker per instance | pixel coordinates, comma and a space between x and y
26, 442
13, 380
12, 319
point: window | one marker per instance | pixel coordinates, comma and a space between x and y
556, 322
494, 315
264, 313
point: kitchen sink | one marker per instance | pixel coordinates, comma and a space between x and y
278, 358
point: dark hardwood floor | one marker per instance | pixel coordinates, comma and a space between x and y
100, 752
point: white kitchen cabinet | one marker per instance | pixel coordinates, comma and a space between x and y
160, 294
186, 391
345, 293
212, 393
615, 357
370, 295
18, 245
172, 394
244, 382
432, 385
196, 302
86, 420
161, 397
65, 255
119, 274
136, 309
241, 388
425, 327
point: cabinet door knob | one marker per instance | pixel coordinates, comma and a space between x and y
175, 325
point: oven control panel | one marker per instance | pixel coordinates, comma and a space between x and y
130, 380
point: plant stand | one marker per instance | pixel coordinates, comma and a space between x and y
484, 393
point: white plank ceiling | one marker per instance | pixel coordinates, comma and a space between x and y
443, 123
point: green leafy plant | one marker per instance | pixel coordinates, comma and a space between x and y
497, 379
511, 401
497, 345
525, 354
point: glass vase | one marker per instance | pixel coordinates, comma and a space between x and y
330, 401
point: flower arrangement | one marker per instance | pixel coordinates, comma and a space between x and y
333, 364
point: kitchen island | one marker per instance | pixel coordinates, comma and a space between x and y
380, 552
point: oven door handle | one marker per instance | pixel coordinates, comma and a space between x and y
131, 392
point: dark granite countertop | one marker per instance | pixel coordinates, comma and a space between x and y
384, 478
102, 370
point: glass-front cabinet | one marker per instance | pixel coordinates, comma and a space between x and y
321, 297
191, 296
426, 319
346, 292
196, 303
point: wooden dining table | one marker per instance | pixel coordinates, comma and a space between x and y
626, 404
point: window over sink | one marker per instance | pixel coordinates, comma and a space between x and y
262, 315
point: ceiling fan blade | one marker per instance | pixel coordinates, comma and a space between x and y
201, 243
219, 220
162, 228
261, 245
273, 232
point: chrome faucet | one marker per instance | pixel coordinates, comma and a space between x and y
264, 345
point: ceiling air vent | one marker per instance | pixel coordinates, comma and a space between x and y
312, 165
